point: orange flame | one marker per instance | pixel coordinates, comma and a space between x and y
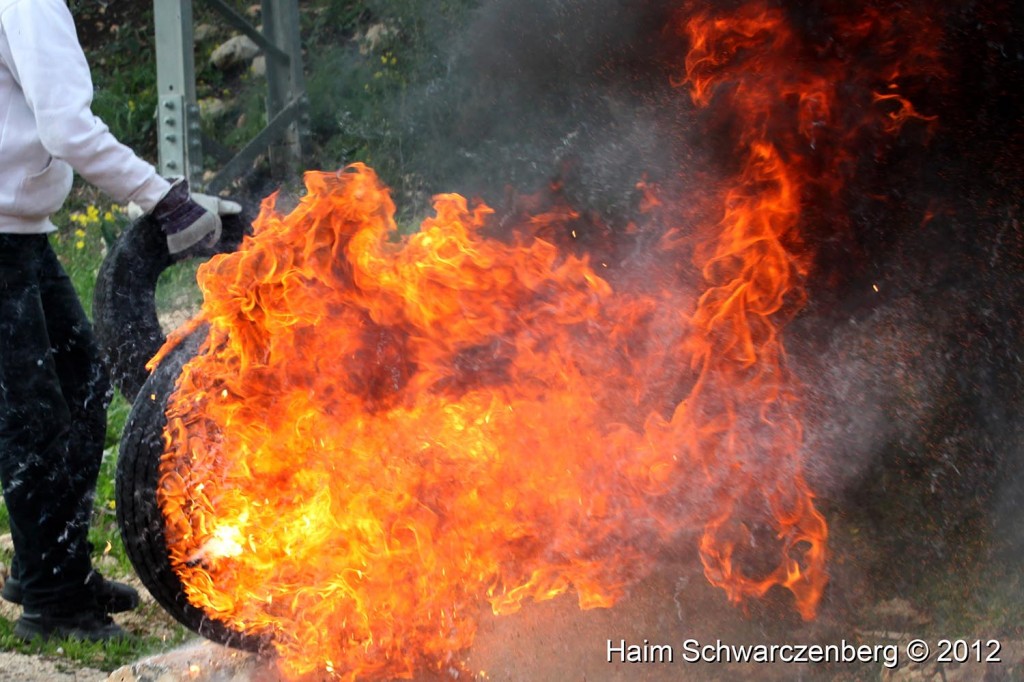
743, 407
382, 432
792, 139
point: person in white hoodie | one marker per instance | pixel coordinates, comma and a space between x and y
53, 386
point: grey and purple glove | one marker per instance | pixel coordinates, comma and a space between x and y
191, 220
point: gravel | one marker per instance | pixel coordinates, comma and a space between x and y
24, 668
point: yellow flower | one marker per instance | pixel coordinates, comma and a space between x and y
108, 216
79, 245
80, 233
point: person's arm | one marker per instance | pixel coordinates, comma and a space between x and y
49, 65
51, 68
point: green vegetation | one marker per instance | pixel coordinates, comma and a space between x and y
76, 654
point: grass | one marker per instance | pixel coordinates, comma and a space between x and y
74, 654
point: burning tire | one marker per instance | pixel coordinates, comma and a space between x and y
138, 514
129, 332
124, 305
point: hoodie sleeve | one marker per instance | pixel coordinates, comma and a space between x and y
51, 69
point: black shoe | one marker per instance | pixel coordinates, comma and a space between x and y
89, 626
111, 596
11, 591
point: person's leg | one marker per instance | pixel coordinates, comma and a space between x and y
84, 386
48, 459
39, 486
87, 392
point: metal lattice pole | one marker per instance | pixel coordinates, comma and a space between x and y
285, 84
180, 139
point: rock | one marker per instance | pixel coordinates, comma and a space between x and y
204, 32
1007, 663
373, 37
6, 543
172, 319
237, 51
212, 107
259, 67
199, 661
898, 613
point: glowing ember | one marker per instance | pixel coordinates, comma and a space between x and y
383, 432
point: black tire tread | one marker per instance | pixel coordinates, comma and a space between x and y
138, 514
129, 333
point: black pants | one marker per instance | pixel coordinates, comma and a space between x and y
54, 393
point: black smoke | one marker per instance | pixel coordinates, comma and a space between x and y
911, 346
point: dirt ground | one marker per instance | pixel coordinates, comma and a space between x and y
23, 668
15, 667
148, 620
554, 641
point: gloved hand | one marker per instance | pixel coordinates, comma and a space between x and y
191, 220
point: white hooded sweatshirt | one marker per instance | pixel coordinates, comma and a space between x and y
47, 127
